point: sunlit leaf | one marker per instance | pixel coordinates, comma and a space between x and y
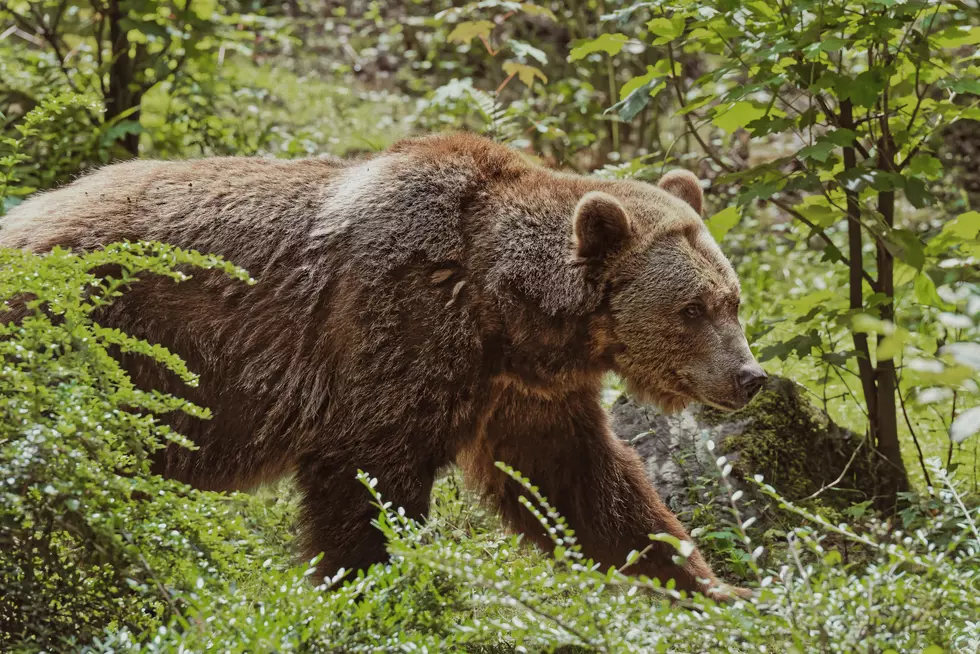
723, 221
862, 322
611, 44
891, 345
532, 9
966, 226
469, 30
667, 29
966, 353
737, 115
864, 89
958, 35
638, 81
638, 98
524, 72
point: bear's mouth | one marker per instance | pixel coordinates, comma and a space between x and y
727, 407
689, 389
672, 395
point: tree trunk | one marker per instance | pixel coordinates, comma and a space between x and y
877, 382
123, 92
896, 477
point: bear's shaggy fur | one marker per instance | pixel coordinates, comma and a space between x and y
442, 301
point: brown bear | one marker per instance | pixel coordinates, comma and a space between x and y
442, 301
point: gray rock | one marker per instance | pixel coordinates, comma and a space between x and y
780, 435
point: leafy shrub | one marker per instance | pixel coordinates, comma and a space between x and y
53, 140
87, 537
486, 593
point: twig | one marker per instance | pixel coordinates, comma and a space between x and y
51, 37
844, 471
952, 419
505, 83
785, 206
908, 423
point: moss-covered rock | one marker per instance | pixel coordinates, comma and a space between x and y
781, 435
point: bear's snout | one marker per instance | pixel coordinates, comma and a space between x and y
751, 379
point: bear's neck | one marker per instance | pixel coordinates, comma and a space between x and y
551, 355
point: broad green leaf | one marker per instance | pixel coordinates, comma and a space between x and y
737, 115
611, 44
667, 29
909, 247
524, 72
965, 353
532, 9
204, 8
638, 99
637, 82
904, 273
971, 86
958, 35
771, 124
723, 221
864, 89
119, 130
865, 323
924, 290
694, 105
801, 345
965, 226
761, 190
810, 300
925, 165
841, 137
817, 209
819, 151
471, 29
917, 193
891, 345
832, 44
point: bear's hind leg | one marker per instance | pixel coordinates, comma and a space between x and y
337, 509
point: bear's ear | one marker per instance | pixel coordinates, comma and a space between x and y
602, 227
684, 184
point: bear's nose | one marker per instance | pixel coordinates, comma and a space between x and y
751, 378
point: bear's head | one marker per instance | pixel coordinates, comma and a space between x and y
673, 295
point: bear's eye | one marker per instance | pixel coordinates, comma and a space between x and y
693, 311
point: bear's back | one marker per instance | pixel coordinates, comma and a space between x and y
224, 205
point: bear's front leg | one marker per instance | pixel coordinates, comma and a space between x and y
596, 482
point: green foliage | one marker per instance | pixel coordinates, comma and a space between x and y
87, 537
484, 593
860, 90
829, 113
111, 54
56, 132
